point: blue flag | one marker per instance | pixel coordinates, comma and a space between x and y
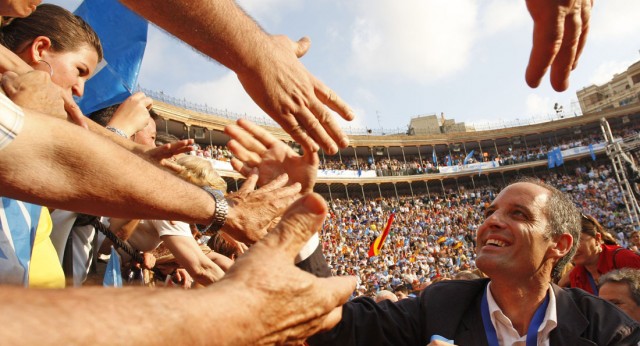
593, 154
469, 156
113, 275
123, 35
559, 159
551, 157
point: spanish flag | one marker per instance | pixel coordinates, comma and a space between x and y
374, 250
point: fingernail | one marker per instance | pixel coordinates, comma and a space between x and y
344, 142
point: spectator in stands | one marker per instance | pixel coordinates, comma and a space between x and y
597, 254
634, 241
525, 240
621, 287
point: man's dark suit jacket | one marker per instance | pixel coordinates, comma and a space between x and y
452, 309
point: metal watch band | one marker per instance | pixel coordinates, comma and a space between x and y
117, 131
222, 209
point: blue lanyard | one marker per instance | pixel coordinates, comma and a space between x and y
532, 332
592, 282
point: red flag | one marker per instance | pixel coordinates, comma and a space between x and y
374, 250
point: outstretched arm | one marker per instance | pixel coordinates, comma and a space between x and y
291, 304
90, 174
266, 65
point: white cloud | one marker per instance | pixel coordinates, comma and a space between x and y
225, 93
416, 40
502, 15
605, 71
268, 10
615, 20
537, 105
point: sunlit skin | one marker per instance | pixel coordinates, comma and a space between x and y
619, 294
71, 69
18, 8
146, 136
512, 237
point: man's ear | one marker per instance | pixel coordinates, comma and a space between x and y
561, 246
38, 50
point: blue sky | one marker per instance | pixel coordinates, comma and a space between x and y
392, 61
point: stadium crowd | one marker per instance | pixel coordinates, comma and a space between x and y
433, 236
513, 154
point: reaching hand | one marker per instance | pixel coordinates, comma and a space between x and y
168, 150
291, 303
251, 212
133, 114
560, 31
293, 97
74, 114
36, 91
254, 147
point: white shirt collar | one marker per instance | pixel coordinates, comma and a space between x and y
507, 335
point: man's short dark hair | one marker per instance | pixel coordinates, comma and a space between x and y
104, 115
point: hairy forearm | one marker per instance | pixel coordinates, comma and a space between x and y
218, 28
63, 166
98, 316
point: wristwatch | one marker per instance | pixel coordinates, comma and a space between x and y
220, 214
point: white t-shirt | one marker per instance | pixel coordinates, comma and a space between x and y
147, 235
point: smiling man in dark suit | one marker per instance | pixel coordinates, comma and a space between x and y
529, 234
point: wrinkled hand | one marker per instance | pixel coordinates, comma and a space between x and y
291, 303
252, 211
254, 147
36, 91
133, 114
560, 29
293, 97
